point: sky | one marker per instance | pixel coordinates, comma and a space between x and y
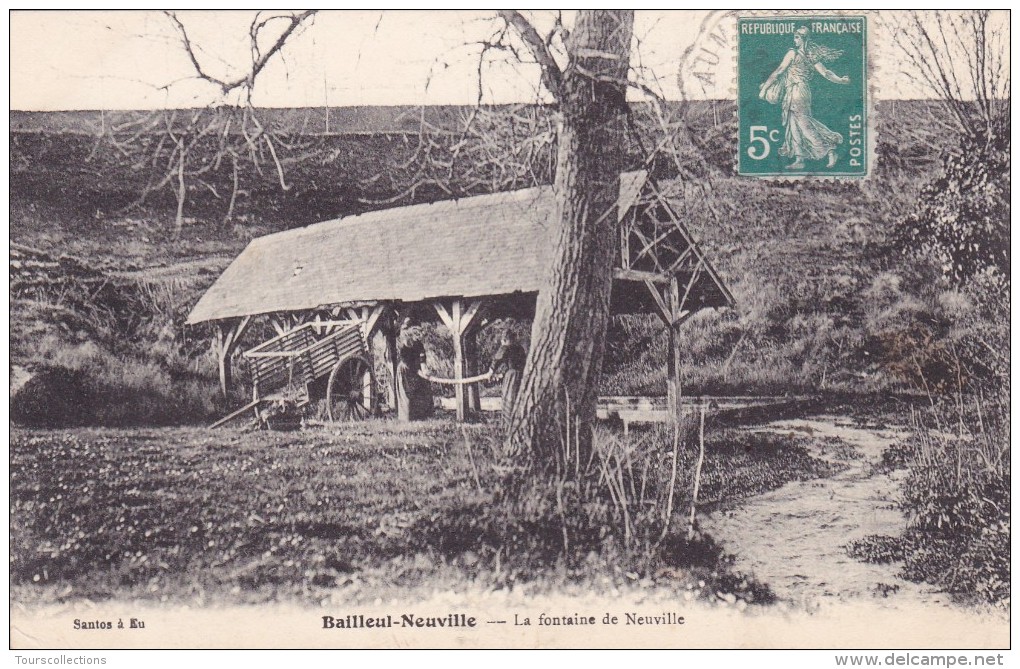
64, 60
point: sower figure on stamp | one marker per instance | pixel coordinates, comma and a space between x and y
508, 365
806, 137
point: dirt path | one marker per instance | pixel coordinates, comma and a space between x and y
793, 538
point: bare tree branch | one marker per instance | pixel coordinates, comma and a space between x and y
552, 76
259, 59
961, 59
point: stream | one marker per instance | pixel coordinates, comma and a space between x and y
793, 538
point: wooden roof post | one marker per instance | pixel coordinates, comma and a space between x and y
469, 319
673, 388
369, 318
677, 313
222, 357
390, 330
474, 395
459, 363
228, 333
460, 320
669, 311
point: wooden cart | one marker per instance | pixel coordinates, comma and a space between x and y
292, 367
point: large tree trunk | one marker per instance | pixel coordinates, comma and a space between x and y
555, 406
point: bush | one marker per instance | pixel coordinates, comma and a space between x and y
53, 397
104, 350
962, 221
876, 549
958, 536
957, 498
84, 384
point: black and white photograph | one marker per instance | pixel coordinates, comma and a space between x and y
507, 329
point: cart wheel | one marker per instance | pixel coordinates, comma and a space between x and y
349, 395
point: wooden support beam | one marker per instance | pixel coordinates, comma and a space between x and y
460, 319
367, 317
284, 322
474, 395
241, 327
695, 275
459, 363
223, 361
370, 318
625, 239
444, 316
673, 387
471, 320
228, 333
665, 315
467, 318
392, 357
681, 259
638, 275
682, 318
641, 239
650, 245
326, 322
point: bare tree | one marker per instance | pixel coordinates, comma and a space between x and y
584, 73
556, 401
486, 149
184, 150
179, 150
963, 59
261, 53
962, 221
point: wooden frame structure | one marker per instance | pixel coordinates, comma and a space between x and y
479, 258
461, 319
228, 336
657, 248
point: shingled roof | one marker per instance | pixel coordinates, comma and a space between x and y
484, 245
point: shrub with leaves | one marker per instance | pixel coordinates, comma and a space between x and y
960, 523
962, 221
876, 549
957, 499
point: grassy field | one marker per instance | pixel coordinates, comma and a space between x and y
195, 515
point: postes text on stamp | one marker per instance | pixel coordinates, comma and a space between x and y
802, 96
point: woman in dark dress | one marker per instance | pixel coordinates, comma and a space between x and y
508, 365
414, 393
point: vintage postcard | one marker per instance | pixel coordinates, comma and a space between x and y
389, 329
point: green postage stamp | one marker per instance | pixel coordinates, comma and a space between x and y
802, 96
